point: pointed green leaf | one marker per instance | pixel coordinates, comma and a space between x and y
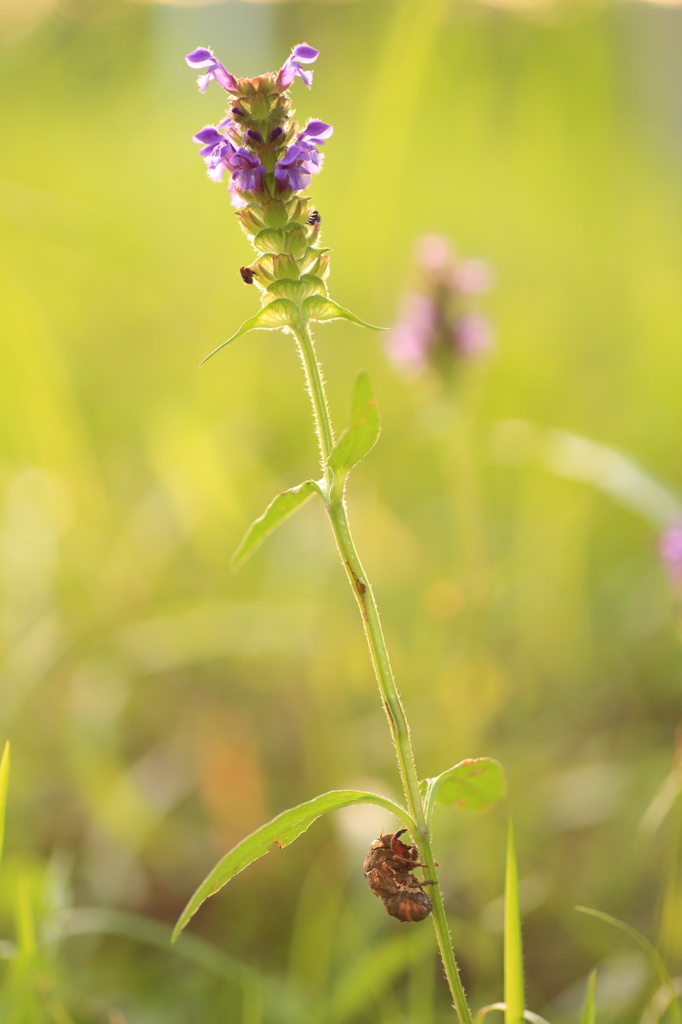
282, 831
364, 429
319, 308
284, 505
514, 996
4, 782
280, 313
589, 1009
654, 957
473, 785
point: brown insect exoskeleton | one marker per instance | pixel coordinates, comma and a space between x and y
247, 274
388, 869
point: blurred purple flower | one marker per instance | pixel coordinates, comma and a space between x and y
670, 550
473, 277
301, 54
410, 344
434, 252
472, 335
203, 58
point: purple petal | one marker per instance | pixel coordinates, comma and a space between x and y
317, 132
307, 76
209, 136
306, 54
200, 58
226, 122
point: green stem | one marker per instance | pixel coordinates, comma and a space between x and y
393, 706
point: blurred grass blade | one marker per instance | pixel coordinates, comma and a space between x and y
652, 954
279, 509
663, 801
317, 307
4, 782
513, 943
363, 432
589, 1009
282, 831
374, 971
26, 927
474, 785
660, 1001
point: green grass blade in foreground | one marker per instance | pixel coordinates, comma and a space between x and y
4, 782
514, 996
589, 1009
279, 509
364, 429
282, 831
474, 785
655, 958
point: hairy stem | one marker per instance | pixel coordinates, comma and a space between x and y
393, 706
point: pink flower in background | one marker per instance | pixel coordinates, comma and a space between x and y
670, 550
437, 325
473, 334
412, 336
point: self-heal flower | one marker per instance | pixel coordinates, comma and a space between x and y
203, 58
437, 325
247, 170
296, 167
301, 54
216, 150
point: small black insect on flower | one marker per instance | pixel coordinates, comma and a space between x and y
314, 218
247, 274
388, 869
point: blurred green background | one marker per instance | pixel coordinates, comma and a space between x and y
160, 707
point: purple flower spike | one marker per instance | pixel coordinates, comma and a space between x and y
301, 54
294, 169
670, 550
216, 151
247, 170
203, 58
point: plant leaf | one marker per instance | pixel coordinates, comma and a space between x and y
280, 313
282, 830
4, 782
654, 957
474, 785
589, 1009
514, 996
279, 509
319, 308
363, 432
